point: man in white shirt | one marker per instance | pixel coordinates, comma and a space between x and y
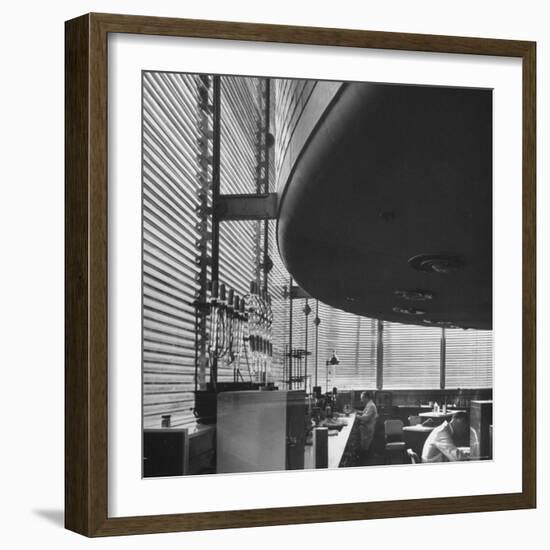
367, 423
440, 445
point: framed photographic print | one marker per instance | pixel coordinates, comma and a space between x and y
300, 275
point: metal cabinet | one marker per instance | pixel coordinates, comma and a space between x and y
481, 419
260, 431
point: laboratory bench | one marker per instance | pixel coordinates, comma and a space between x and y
337, 443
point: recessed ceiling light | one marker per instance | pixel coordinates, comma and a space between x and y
414, 294
408, 310
436, 263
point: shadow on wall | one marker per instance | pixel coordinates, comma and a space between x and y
57, 517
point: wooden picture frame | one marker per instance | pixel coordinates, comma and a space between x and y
86, 221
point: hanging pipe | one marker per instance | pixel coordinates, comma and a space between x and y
216, 131
290, 334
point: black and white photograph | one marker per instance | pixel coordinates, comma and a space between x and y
274, 274
317, 274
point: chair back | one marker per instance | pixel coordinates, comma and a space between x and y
414, 420
393, 430
413, 457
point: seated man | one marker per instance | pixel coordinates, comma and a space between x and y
440, 445
367, 423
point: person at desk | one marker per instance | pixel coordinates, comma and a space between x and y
440, 445
367, 423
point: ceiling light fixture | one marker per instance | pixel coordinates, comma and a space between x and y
414, 294
408, 310
436, 263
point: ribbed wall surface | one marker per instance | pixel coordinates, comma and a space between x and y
469, 358
170, 186
291, 96
354, 340
411, 356
300, 324
278, 280
241, 120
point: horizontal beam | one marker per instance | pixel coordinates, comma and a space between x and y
296, 292
247, 207
299, 292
